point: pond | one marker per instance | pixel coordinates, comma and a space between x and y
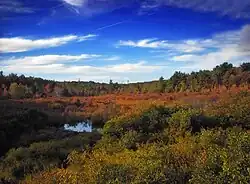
82, 126
79, 127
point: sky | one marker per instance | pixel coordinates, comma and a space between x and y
122, 40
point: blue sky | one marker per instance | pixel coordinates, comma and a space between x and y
135, 40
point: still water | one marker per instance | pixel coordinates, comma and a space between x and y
79, 127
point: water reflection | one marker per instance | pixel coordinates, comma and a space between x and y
79, 127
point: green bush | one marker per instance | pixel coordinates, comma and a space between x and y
151, 121
43, 155
226, 159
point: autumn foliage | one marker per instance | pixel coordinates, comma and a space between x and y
166, 144
186, 134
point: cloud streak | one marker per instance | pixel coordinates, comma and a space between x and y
47, 59
113, 58
19, 44
87, 37
77, 3
153, 43
93, 7
111, 25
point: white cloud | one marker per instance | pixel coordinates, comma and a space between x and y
210, 60
46, 59
145, 43
187, 57
229, 46
245, 38
140, 67
224, 54
113, 58
185, 46
93, 7
217, 41
19, 44
57, 67
87, 37
77, 3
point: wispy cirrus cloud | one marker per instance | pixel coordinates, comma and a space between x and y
111, 25
77, 3
20, 44
230, 39
46, 59
86, 37
234, 8
112, 58
93, 7
14, 6
153, 43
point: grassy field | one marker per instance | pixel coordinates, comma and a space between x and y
107, 106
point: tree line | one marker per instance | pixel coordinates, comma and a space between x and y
226, 75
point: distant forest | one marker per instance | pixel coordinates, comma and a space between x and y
224, 75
